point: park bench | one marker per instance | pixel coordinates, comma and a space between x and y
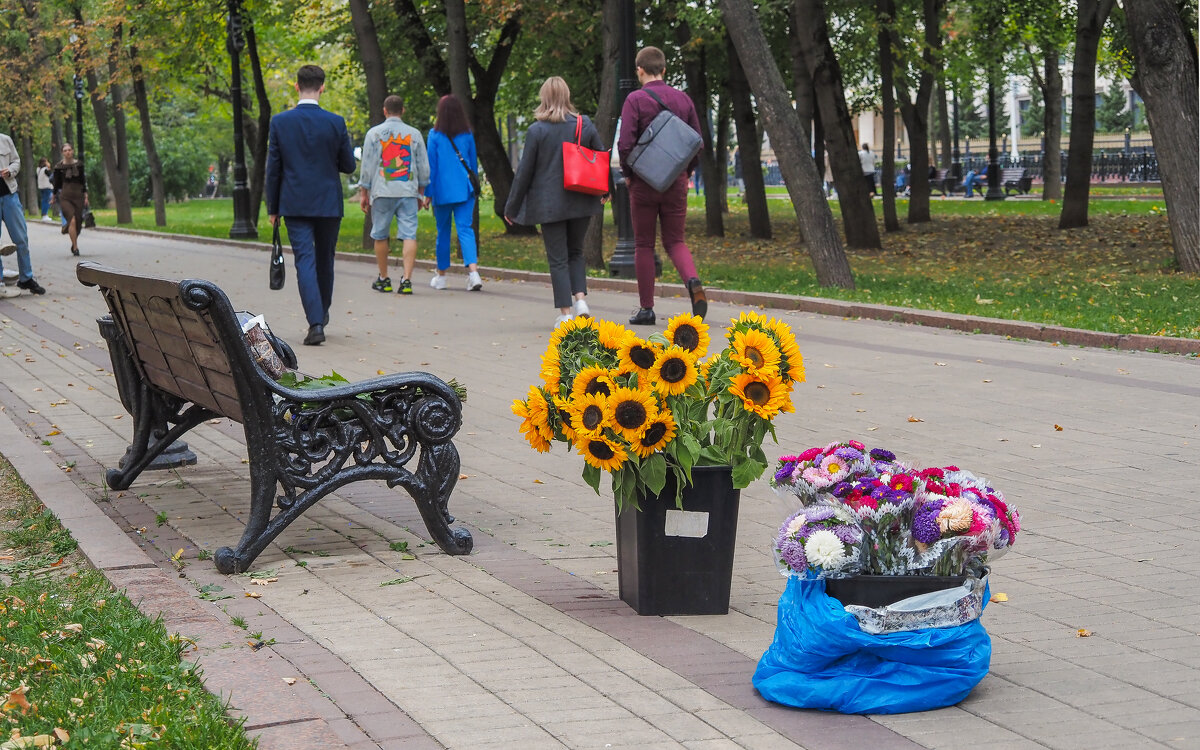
179, 358
1016, 179
945, 182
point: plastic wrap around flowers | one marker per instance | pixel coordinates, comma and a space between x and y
935, 521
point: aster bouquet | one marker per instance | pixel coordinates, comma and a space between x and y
936, 521
638, 408
819, 541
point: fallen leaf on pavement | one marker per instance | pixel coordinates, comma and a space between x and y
1083, 632
911, 418
999, 597
1058, 428
253, 594
263, 581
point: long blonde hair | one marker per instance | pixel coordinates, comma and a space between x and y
555, 98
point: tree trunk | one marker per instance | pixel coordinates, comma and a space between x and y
118, 183
791, 145
258, 143
802, 84
27, 185
1088, 27
371, 56
750, 146
457, 49
885, 16
605, 118
142, 101
1166, 80
722, 184
916, 113
1052, 127
695, 73
120, 136
858, 213
943, 120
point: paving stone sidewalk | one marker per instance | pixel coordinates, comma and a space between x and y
524, 643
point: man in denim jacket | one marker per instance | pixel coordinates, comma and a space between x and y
395, 171
13, 216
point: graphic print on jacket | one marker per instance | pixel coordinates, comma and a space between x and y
396, 161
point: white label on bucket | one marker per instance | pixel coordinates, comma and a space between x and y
686, 523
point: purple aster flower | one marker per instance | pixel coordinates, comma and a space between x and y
785, 472
791, 552
848, 454
818, 513
925, 527
847, 534
841, 489
882, 454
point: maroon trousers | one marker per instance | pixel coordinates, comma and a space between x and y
647, 207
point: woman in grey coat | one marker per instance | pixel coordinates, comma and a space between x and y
538, 195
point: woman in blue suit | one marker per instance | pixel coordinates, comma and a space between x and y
452, 165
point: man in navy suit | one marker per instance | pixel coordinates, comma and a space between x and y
308, 147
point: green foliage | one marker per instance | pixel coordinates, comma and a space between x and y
1112, 116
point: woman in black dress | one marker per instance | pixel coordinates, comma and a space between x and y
70, 191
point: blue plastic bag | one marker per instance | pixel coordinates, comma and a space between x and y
820, 658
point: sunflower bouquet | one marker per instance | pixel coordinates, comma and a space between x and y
641, 407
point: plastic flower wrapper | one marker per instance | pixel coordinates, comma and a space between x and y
812, 475
819, 541
883, 505
960, 523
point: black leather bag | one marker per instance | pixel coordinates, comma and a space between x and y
278, 269
89, 220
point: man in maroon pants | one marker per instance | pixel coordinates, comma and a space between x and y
648, 206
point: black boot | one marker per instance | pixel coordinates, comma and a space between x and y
643, 317
699, 301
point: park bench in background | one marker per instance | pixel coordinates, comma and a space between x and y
945, 182
179, 358
1016, 180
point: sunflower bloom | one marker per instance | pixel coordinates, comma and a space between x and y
764, 396
587, 415
755, 352
551, 369
659, 432
629, 411
637, 356
592, 380
674, 370
611, 334
791, 365
602, 452
529, 429
689, 333
564, 414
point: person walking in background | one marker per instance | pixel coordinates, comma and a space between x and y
867, 160
45, 188
12, 215
70, 193
648, 207
452, 165
395, 171
307, 148
538, 196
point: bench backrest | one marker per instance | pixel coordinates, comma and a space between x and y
1012, 173
170, 330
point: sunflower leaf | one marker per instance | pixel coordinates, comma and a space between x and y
745, 471
654, 473
591, 475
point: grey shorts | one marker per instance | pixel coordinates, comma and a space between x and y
405, 211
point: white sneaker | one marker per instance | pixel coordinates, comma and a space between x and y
12, 291
11, 275
561, 319
47, 219
438, 281
581, 309
474, 283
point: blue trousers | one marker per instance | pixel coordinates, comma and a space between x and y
44, 198
12, 215
314, 240
463, 214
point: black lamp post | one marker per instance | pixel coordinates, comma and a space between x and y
994, 192
242, 228
621, 263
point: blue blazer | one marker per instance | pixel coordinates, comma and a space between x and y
448, 181
307, 149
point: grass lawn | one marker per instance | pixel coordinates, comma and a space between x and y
1004, 259
80, 665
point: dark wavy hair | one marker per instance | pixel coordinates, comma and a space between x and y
451, 117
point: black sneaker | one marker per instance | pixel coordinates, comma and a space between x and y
31, 286
699, 301
405, 287
643, 317
382, 284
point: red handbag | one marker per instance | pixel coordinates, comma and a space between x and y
584, 170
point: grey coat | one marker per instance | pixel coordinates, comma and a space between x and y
537, 195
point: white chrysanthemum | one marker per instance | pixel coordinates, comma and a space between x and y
825, 550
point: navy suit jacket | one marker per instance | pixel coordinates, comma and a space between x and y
307, 149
